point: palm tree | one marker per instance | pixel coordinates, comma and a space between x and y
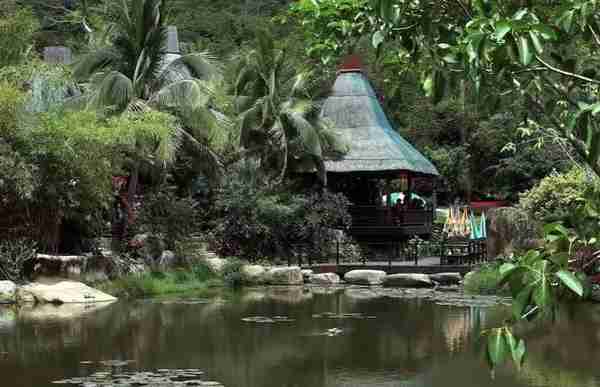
278, 120
134, 74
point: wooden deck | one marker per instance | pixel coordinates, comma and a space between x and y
427, 265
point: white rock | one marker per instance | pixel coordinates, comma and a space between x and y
408, 281
167, 260
8, 292
284, 275
325, 279
365, 277
216, 264
306, 273
253, 274
446, 278
62, 292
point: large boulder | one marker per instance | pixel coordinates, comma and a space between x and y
88, 268
365, 277
253, 274
446, 278
216, 264
286, 275
325, 279
167, 260
8, 292
408, 281
511, 229
62, 292
306, 273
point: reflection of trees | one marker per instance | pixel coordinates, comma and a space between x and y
406, 338
567, 353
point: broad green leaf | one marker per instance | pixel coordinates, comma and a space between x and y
525, 54
537, 44
556, 228
497, 347
566, 20
451, 59
561, 259
517, 348
507, 268
545, 31
502, 28
473, 48
520, 14
521, 301
378, 38
541, 293
570, 281
595, 109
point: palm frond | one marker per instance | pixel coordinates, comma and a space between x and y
304, 107
249, 122
94, 62
182, 95
203, 151
116, 91
331, 142
201, 65
245, 76
298, 126
300, 84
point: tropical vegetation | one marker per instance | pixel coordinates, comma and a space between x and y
501, 95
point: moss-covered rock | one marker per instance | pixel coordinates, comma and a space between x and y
511, 230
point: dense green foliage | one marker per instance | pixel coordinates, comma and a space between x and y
255, 221
485, 280
498, 94
559, 197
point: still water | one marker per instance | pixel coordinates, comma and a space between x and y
294, 338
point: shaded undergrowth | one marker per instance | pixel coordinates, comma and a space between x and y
485, 280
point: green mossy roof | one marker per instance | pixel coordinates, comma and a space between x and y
357, 117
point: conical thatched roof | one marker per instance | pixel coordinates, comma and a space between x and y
357, 117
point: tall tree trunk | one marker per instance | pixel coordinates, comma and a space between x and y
463, 140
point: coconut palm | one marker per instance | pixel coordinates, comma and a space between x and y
278, 119
134, 73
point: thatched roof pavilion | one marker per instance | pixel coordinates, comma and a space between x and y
354, 111
380, 165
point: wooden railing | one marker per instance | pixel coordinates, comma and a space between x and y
384, 222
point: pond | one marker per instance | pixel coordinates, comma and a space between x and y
287, 337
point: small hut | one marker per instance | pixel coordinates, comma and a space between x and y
391, 184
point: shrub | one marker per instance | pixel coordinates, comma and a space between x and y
232, 272
558, 196
171, 218
14, 255
485, 280
256, 222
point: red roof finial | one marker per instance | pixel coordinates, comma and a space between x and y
351, 64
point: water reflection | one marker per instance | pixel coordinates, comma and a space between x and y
406, 343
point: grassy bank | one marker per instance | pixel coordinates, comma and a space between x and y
196, 280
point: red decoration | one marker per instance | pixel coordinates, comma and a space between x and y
351, 64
